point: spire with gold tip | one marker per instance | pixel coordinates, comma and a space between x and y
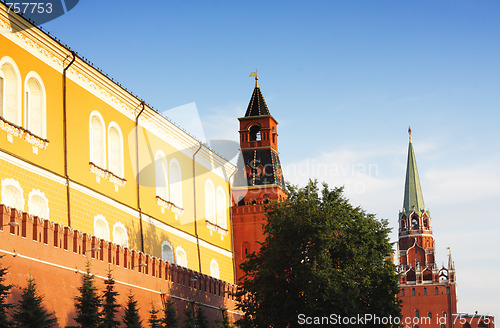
257, 105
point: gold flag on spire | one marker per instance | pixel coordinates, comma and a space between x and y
253, 74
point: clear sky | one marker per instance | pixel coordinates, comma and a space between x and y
344, 79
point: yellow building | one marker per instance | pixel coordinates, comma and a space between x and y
78, 149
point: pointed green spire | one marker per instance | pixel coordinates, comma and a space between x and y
413, 199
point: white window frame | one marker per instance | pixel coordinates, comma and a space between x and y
161, 191
10, 61
210, 202
214, 269
101, 218
180, 254
177, 200
27, 111
38, 193
11, 182
114, 125
167, 243
116, 226
91, 140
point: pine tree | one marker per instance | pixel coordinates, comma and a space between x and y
224, 321
88, 303
170, 315
4, 293
190, 321
109, 306
131, 317
201, 320
154, 321
30, 312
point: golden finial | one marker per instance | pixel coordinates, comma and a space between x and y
409, 132
256, 78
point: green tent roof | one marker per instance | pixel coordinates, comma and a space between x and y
413, 199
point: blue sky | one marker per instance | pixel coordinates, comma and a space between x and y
344, 79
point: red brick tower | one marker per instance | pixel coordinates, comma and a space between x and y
259, 179
428, 293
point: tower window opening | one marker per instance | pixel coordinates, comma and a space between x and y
413, 292
255, 133
436, 291
425, 291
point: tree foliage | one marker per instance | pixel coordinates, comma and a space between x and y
321, 256
154, 321
170, 319
88, 302
109, 305
224, 322
4, 293
131, 317
30, 312
190, 320
201, 320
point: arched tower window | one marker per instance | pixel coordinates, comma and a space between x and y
210, 213
214, 269
38, 204
161, 175
245, 249
167, 252
10, 91
221, 208
97, 140
175, 175
436, 291
414, 222
425, 291
413, 292
12, 194
120, 235
35, 105
181, 257
255, 133
115, 149
101, 227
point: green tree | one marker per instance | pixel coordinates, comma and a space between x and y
88, 303
109, 306
154, 321
4, 293
224, 322
131, 317
170, 319
201, 320
30, 312
321, 256
190, 320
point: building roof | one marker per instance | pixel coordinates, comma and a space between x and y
413, 199
257, 105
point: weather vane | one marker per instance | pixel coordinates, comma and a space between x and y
409, 131
256, 78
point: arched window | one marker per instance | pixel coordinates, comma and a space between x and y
115, 150
120, 235
425, 291
101, 228
181, 256
35, 105
38, 204
214, 269
161, 175
413, 292
447, 290
417, 314
255, 134
221, 208
402, 292
167, 252
12, 194
10, 91
175, 176
245, 249
210, 213
436, 291
97, 140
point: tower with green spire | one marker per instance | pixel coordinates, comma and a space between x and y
426, 290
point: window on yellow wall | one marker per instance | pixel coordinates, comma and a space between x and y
161, 176
167, 252
11, 91
120, 236
214, 269
180, 256
12, 194
175, 178
221, 208
115, 150
38, 204
35, 105
101, 227
210, 202
97, 140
